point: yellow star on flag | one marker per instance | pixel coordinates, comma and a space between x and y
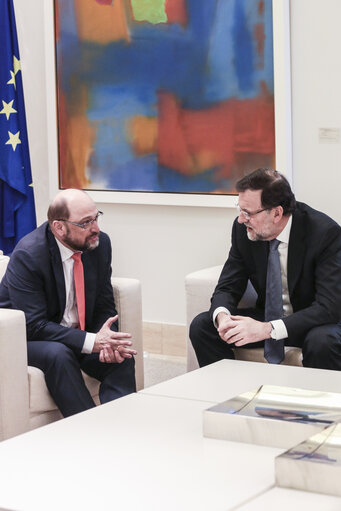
12, 80
13, 140
7, 109
16, 65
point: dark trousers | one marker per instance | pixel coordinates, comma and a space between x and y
62, 369
321, 347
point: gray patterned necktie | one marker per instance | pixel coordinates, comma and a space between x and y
273, 349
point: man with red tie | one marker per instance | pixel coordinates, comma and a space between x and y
59, 275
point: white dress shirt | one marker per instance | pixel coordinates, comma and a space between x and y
70, 316
278, 325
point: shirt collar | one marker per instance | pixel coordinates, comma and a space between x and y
65, 252
284, 235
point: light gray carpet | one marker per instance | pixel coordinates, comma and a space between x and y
158, 368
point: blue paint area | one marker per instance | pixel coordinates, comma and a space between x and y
139, 174
172, 181
221, 83
120, 102
145, 175
210, 60
243, 50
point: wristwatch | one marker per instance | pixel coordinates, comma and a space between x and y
273, 332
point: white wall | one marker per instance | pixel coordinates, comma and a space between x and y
161, 244
316, 102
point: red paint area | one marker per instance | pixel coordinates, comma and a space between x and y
56, 22
259, 36
104, 2
261, 8
176, 12
192, 141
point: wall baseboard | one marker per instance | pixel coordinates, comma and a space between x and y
164, 339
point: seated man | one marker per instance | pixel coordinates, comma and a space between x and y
59, 275
291, 253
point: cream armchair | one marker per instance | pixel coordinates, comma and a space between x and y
25, 402
199, 288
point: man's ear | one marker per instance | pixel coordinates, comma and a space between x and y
58, 227
278, 214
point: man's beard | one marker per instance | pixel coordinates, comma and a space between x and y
255, 236
87, 245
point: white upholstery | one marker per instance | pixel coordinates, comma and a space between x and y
25, 402
199, 288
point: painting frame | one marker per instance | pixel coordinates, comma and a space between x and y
283, 130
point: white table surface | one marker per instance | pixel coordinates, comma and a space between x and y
281, 499
147, 452
141, 452
228, 378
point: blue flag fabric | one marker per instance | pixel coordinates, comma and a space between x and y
17, 211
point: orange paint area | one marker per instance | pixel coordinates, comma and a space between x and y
101, 22
76, 137
193, 141
143, 133
176, 12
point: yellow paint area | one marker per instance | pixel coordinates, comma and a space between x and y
143, 133
101, 23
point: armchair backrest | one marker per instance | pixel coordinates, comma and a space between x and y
3, 265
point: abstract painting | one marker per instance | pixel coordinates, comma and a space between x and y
172, 96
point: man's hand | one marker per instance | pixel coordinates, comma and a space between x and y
110, 356
240, 330
224, 324
112, 346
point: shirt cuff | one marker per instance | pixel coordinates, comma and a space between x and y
216, 312
280, 329
89, 342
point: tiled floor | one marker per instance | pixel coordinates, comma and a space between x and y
158, 368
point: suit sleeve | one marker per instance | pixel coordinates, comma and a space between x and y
233, 278
104, 307
326, 278
26, 288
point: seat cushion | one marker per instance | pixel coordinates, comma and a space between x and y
293, 356
40, 400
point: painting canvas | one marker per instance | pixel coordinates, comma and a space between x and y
171, 96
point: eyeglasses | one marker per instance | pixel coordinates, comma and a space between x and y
248, 215
84, 225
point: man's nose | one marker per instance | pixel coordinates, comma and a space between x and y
241, 218
94, 226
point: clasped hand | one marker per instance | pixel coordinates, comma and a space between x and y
240, 330
112, 346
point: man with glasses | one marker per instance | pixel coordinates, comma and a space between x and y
291, 254
59, 275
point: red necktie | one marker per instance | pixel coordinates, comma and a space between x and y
78, 277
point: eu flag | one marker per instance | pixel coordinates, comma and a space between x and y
17, 211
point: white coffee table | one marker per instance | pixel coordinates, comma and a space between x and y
146, 451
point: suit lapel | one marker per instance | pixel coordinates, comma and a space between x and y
57, 267
296, 249
90, 276
260, 251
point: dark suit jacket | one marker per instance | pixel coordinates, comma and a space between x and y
314, 271
34, 282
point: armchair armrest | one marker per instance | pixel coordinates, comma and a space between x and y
127, 294
199, 287
14, 397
